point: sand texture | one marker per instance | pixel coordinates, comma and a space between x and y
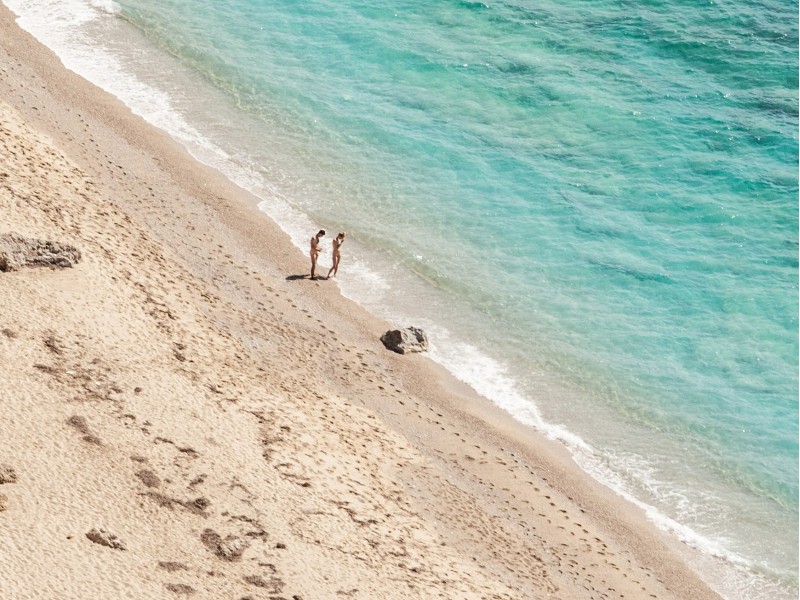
182, 415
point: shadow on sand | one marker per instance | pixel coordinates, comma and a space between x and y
315, 278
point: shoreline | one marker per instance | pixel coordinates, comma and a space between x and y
448, 439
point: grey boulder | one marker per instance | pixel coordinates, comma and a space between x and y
409, 339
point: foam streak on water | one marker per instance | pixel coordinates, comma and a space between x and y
592, 208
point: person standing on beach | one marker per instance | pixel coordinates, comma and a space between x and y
316, 248
337, 255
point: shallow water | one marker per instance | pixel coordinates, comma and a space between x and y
592, 208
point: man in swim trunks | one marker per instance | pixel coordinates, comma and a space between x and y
316, 248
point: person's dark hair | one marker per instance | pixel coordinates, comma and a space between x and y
321, 232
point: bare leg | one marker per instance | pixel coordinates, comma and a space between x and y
335, 267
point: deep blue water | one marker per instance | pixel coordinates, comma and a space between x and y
601, 196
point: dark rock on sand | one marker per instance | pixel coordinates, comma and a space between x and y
79, 423
231, 548
180, 588
82, 425
17, 252
7, 474
273, 584
410, 339
172, 566
106, 538
149, 478
200, 503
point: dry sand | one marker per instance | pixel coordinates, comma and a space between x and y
181, 415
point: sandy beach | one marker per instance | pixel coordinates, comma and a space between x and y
184, 414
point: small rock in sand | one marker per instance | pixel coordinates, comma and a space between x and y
180, 588
172, 566
7, 474
3, 502
149, 478
106, 538
231, 548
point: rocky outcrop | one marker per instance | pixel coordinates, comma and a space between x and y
410, 339
17, 252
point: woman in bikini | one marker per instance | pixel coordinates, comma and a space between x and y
337, 255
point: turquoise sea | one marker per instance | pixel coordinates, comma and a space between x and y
592, 207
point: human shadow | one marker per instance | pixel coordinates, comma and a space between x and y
296, 277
